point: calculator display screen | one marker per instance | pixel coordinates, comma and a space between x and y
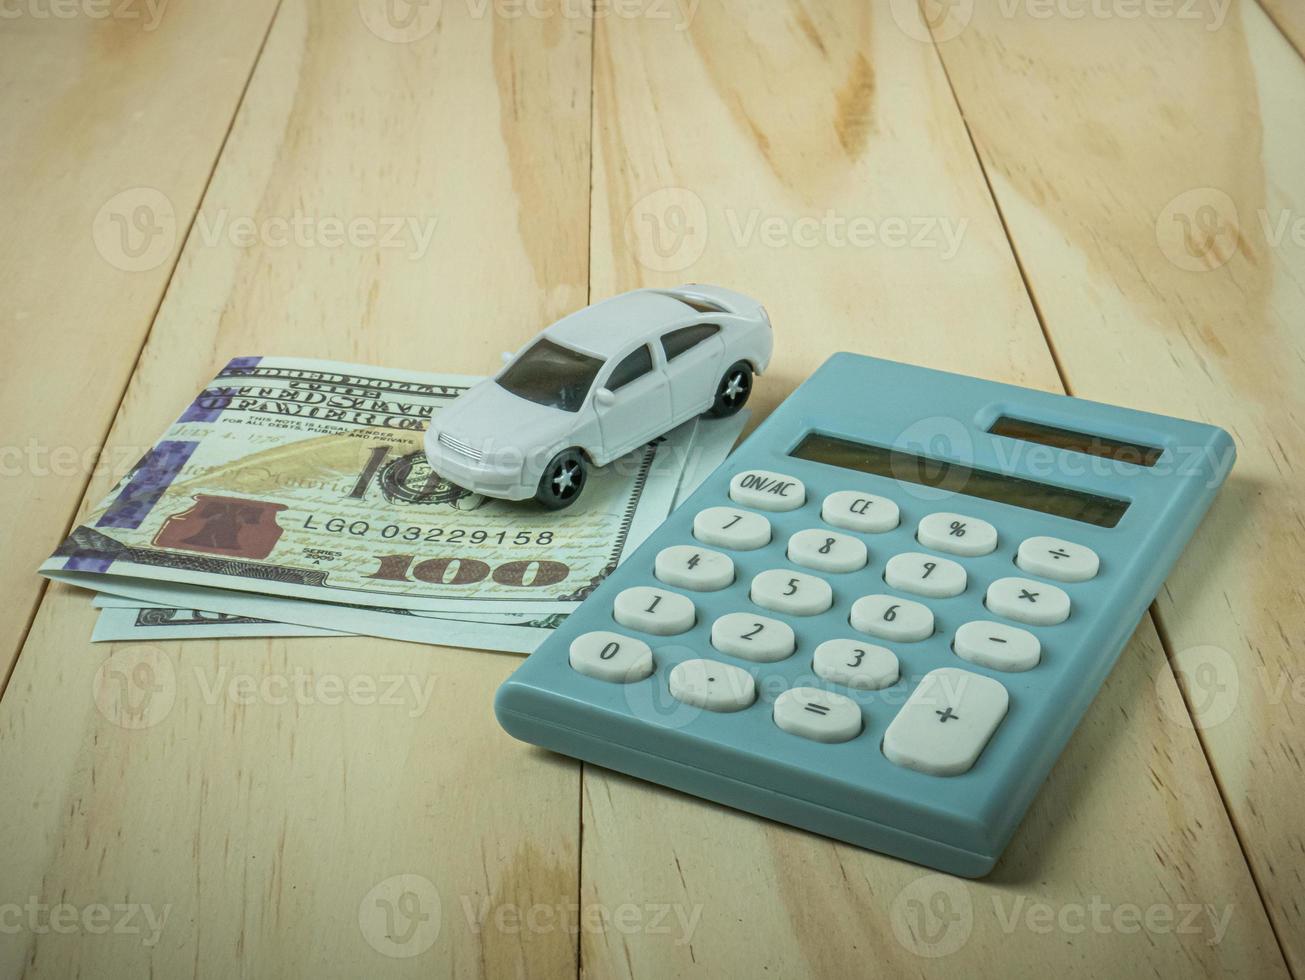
894, 464
1078, 442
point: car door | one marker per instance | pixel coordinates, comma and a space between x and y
641, 406
693, 367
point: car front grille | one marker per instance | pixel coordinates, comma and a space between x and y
458, 446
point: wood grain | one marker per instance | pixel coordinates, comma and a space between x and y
1151, 178
1131, 816
87, 146
271, 825
1289, 15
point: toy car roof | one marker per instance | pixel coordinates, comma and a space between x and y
608, 327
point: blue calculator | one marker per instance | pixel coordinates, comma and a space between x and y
882, 617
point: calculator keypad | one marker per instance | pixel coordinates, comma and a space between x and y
891, 618
946, 722
827, 551
957, 534
757, 638
796, 593
997, 646
766, 490
1056, 558
729, 527
1027, 601
925, 575
687, 567
652, 610
856, 511
819, 715
712, 685
611, 657
854, 664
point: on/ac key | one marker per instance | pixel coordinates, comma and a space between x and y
767, 490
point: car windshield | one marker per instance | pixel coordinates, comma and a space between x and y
551, 375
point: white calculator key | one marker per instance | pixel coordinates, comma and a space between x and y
767, 491
946, 722
997, 646
891, 618
857, 511
1055, 558
712, 685
655, 611
1027, 601
827, 551
957, 534
690, 567
756, 638
925, 575
611, 657
729, 527
791, 592
819, 715
851, 663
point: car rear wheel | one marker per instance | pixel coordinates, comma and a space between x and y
563, 479
733, 391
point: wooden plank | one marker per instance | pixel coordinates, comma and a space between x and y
1162, 256
1289, 15
112, 125
273, 830
837, 112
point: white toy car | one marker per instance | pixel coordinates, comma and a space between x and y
597, 384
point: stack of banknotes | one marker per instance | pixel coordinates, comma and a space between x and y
293, 498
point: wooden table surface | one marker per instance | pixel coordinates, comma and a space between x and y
1105, 198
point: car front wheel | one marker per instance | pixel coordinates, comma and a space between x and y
733, 391
563, 479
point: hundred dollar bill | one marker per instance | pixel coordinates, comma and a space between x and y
306, 480
134, 619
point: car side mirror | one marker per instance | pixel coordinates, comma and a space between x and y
507, 355
605, 397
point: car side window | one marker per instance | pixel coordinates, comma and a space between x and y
632, 367
678, 341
